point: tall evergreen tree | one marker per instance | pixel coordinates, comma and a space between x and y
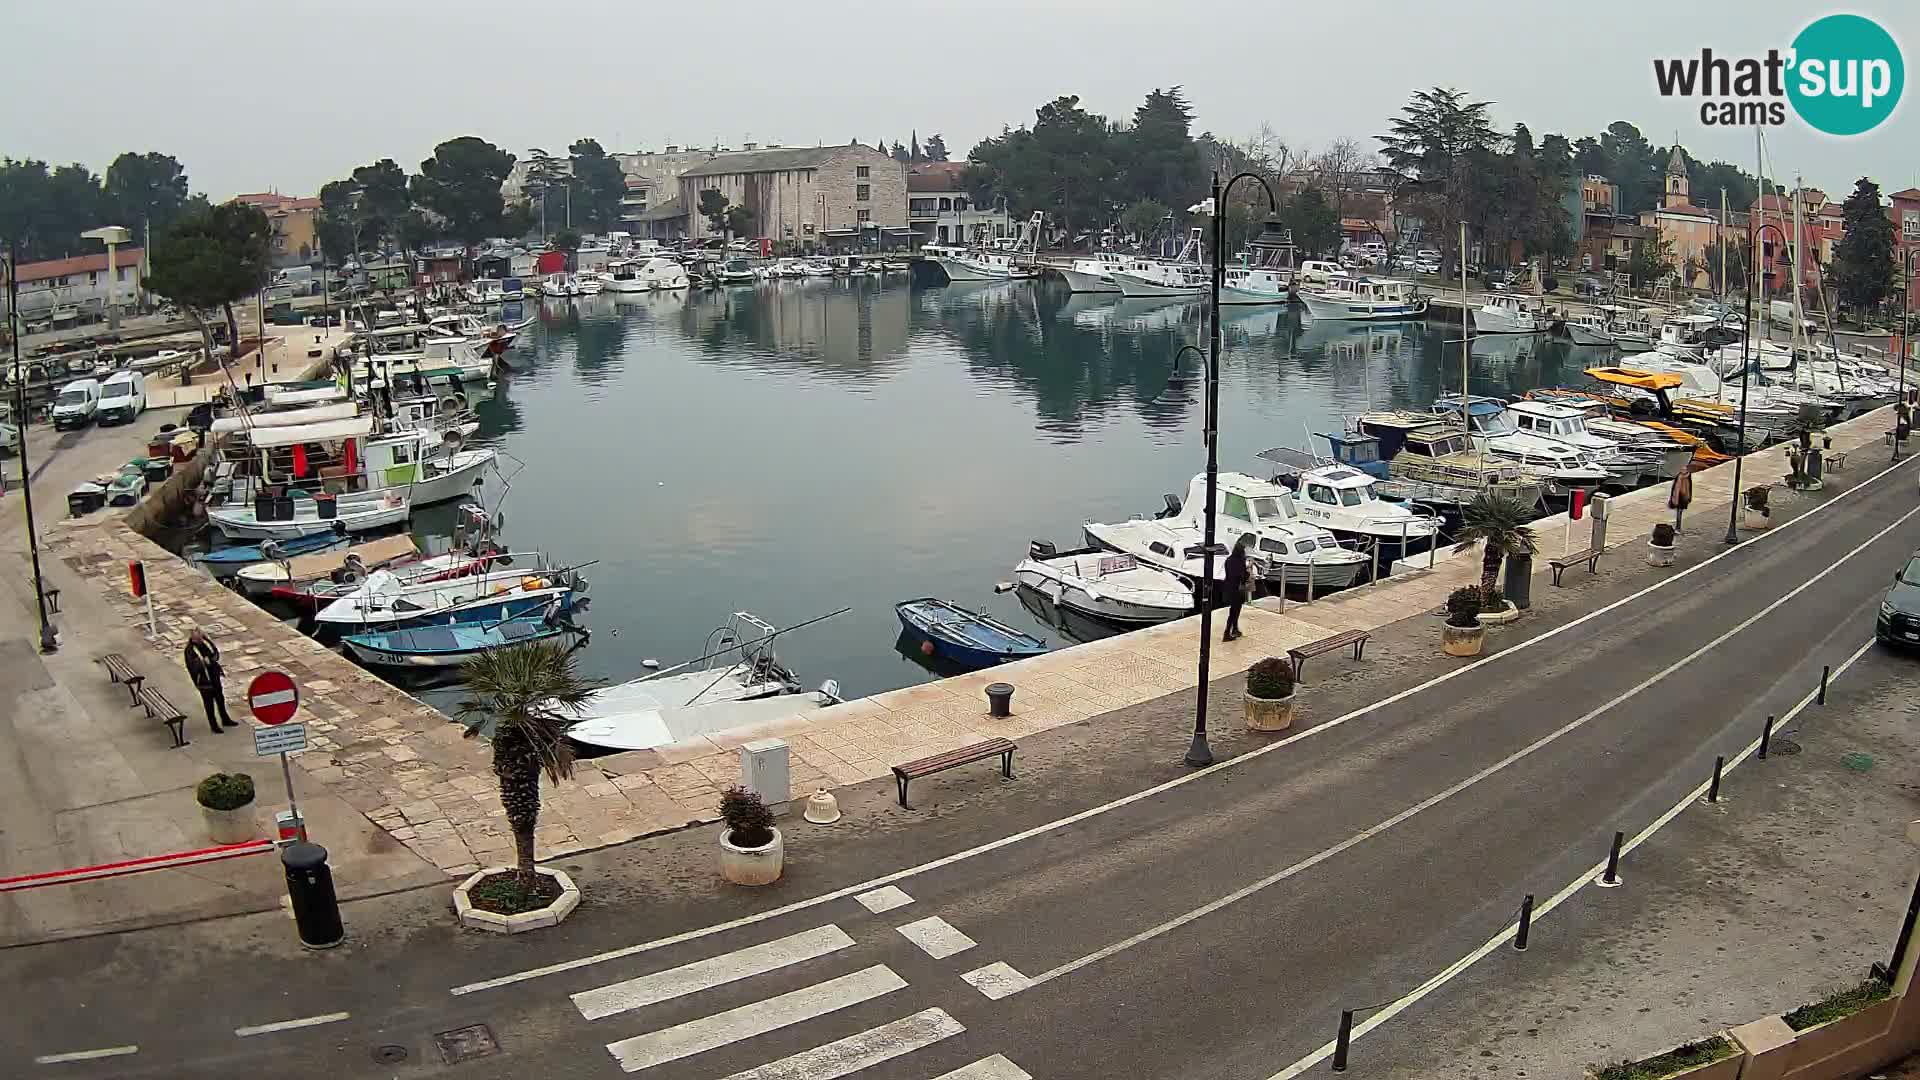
1863, 260
461, 183
599, 185
1161, 160
913, 147
1447, 143
936, 148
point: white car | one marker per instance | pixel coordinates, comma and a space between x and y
75, 405
9, 437
122, 397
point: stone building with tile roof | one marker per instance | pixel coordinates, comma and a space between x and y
850, 196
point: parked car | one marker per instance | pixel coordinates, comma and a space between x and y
123, 397
1899, 620
76, 404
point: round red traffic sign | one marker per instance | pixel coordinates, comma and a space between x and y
273, 697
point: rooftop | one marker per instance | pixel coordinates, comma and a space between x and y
936, 176
78, 264
755, 161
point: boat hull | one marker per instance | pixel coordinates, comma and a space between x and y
1077, 599
996, 644
1499, 322
241, 524
1082, 282
1136, 287
1323, 307
408, 648
1240, 294
467, 469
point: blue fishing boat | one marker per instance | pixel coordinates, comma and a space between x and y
966, 638
451, 645
226, 561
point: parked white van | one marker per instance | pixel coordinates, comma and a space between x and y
123, 397
76, 403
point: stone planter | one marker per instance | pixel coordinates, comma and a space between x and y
551, 915
1462, 640
1822, 1041
752, 866
1269, 714
1659, 556
230, 826
1505, 615
1754, 519
1727, 1068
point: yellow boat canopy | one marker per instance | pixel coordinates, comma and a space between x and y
1644, 380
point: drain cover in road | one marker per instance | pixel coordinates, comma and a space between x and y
466, 1043
390, 1054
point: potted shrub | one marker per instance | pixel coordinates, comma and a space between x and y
1463, 635
1499, 523
751, 851
1660, 546
1270, 695
1494, 608
226, 801
1754, 512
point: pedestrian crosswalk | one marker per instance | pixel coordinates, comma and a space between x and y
840, 1053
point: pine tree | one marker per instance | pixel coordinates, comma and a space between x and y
1863, 260
913, 147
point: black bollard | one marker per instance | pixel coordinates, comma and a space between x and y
316, 911
1766, 737
1825, 671
1713, 789
999, 700
1340, 1041
1526, 924
1612, 876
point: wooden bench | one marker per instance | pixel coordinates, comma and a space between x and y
122, 672
1574, 558
159, 708
1836, 460
1355, 638
979, 751
51, 592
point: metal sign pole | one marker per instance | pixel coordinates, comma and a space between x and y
286, 773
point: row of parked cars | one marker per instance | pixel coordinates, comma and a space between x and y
120, 398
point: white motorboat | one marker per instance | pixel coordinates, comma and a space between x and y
1113, 588
267, 518
559, 285
1183, 275
1505, 313
1267, 276
1155, 542
485, 291
1006, 258
1632, 331
1674, 457
387, 598
588, 283
663, 274
1094, 275
1560, 467
1428, 461
470, 327
623, 276
1628, 466
742, 685
736, 271
1343, 500
1589, 329
437, 468
1364, 299
1290, 547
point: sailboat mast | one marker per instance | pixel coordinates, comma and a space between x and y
1723, 247
1466, 331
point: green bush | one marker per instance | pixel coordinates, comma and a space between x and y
1757, 497
1464, 606
1684, 1056
747, 817
225, 791
1836, 1005
1663, 535
1270, 678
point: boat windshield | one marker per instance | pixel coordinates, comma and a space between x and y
1270, 508
1350, 497
1499, 423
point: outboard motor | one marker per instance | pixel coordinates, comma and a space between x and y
1173, 507
1041, 549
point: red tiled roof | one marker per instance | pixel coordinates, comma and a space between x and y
1688, 211
1910, 193
79, 264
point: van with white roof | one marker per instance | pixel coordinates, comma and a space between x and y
76, 404
123, 397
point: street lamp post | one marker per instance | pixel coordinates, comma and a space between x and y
49, 640
1906, 288
1199, 754
1746, 339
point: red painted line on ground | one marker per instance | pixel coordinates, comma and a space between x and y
135, 866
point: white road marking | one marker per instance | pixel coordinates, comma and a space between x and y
86, 1055
713, 971
1158, 789
996, 1067
289, 1025
936, 937
997, 980
758, 1018
884, 899
1442, 796
1505, 936
856, 1052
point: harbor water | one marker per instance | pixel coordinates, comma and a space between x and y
800, 446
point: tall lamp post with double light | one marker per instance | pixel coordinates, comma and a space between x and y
49, 637
1199, 754
1746, 344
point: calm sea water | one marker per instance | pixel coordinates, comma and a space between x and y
797, 447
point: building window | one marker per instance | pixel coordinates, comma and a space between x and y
1910, 225
864, 215
946, 204
862, 192
93, 277
862, 171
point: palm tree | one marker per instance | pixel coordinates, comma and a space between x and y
523, 700
1500, 521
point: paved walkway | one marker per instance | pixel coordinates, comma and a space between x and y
404, 766
291, 353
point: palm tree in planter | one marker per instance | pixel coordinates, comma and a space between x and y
522, 701
1499, 522
1808, 421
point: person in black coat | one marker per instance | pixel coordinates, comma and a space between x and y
1237, 586
203, 666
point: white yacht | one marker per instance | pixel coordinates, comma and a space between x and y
1290, 547
661, 274
1628, 466
486, 291
1108, 587
1094, 275
1364, 299
1184, 275
623, 276
588, 283
1561, 468
1505, 313
1344, 500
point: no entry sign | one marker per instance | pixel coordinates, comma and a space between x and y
272, 697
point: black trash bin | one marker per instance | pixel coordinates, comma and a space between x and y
316, 912
1518, 588
1000, 699
327, 506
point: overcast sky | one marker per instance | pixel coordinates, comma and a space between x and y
253, 96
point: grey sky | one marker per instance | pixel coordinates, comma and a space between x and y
252, 96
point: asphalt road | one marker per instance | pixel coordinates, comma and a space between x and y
1211, 929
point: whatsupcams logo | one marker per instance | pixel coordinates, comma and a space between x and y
1843, 76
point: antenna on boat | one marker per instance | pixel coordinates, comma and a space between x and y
742, 645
